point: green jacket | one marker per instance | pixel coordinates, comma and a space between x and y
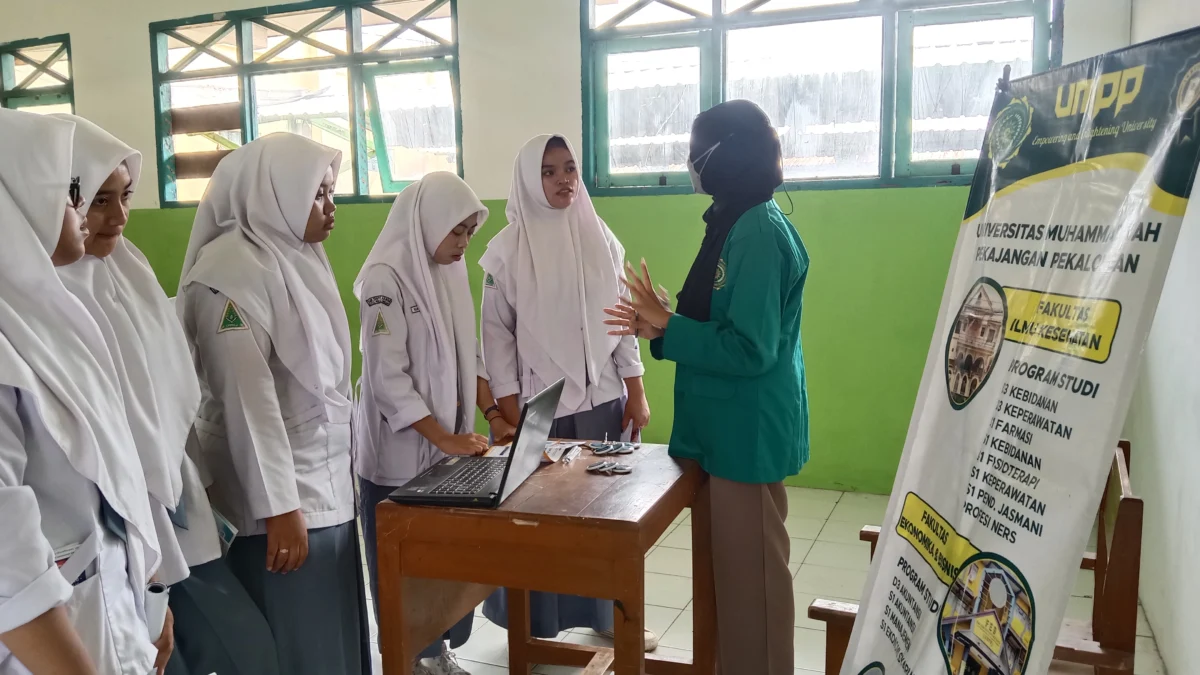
741, 402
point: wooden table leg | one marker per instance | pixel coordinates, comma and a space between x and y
629, 618
518, 632
704, 602
398, 655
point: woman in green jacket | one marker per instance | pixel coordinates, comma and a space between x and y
741, 404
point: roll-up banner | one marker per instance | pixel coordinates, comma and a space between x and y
1074, 211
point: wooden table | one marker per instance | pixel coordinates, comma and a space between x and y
563, 531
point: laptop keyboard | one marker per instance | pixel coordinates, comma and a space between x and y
469, 479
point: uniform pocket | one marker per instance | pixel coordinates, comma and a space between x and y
303, 423
711, 387
85, 611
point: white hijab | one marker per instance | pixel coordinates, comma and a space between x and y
562, 264
248, 243
421, 217
50, 348
139, 324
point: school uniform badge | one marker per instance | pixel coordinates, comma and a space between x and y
489, 281
719, 279
381, 327
231, 318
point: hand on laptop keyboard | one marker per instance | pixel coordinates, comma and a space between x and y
462, 444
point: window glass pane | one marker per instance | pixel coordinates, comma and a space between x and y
820, 82
64, 108
311, 103
417, 110
23, 68
327, 40
379, 26
179, 50
655, 12
773, 5
652, 98
192, 94
955, 69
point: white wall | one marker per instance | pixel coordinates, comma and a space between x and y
520, 68
1093, 27
1164, 420
1155, 18
520, 72
520, 77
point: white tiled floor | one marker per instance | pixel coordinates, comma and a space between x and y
828, 561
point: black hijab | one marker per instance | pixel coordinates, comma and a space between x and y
741, 173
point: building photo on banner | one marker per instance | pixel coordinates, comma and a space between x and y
988, 204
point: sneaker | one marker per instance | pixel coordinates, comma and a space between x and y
651, 638
446, 664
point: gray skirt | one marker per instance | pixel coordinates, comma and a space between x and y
218, 628
317, 613
552, 613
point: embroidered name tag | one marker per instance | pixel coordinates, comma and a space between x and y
379, 299
415, 310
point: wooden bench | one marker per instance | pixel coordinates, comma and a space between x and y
1107, 641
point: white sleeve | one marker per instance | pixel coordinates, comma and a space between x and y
480, 365
235, 364
173, 568
498, 325
30, 584
627, 357
386, 361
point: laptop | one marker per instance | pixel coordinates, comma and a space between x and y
485, 482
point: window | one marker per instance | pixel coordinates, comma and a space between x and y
377, 80
862, 92
35, 75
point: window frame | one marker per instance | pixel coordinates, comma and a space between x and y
13, 96
899, 17
357, 60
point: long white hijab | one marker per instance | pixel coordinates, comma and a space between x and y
421, 217
562, 265
248, 243
139, 324
50, 348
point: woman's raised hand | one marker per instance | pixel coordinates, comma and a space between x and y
646, 312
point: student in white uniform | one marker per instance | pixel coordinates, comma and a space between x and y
218, 627
272, 346
78, 537
550, 273
422, 376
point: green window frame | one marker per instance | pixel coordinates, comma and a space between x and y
708, 31
31, 74
364, 59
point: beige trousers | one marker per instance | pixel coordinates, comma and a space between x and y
755, 605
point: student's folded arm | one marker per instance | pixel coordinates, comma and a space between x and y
385, 356
236, 365
30, 583
498, 325
746, 342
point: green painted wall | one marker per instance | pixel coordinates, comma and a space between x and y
879, 263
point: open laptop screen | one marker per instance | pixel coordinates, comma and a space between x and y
531, 438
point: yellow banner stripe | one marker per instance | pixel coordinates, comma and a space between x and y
942, 547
